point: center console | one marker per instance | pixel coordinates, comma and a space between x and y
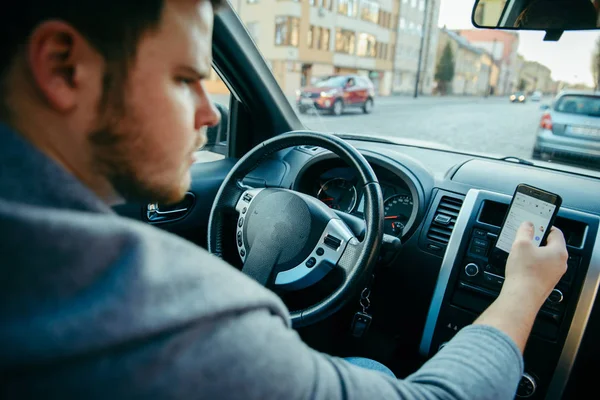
468, 283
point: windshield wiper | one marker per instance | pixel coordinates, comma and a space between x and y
517, 159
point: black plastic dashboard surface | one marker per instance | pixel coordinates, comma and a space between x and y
578, 192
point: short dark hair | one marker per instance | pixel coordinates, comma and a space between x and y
558, 14
113, 27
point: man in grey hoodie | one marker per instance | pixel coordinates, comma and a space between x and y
103, 101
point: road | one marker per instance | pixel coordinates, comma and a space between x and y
489, 125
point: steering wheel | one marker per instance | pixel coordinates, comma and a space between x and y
289, 240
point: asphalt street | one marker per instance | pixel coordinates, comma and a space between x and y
490, 125
473, 124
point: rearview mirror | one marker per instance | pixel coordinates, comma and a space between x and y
548, 15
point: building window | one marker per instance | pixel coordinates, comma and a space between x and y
286, 31
411, 27
252, 1
413, 3
318, 38
325, 34
253, 28
422, 5
348, 7
369, 11
366, 45
402, 24
322, 3
420, 29
385, 19
344, 41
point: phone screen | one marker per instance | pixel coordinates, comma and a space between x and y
525, 208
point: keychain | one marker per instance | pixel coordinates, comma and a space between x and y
362, 319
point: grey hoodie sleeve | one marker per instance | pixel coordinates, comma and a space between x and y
254, 355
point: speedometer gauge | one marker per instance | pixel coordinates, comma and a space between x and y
338, 194
397, 211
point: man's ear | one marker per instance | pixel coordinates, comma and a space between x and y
56, 53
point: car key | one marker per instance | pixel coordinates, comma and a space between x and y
360, 324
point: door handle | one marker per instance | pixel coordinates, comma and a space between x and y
153, 208
155, 214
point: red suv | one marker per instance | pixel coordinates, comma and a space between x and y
337, 93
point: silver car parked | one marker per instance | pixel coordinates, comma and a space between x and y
569, 130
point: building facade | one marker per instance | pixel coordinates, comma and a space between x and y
503, 46
417, 25
534, 76
475, 72
303, 40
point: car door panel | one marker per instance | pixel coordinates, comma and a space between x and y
193, 224
189, 218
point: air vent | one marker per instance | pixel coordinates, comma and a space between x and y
444, 220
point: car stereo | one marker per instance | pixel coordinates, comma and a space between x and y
469, 282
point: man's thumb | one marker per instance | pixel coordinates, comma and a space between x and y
525, 231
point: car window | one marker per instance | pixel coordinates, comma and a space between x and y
217, 145
430, 75
336, 81
582, 105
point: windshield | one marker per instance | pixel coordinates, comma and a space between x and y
581, 105
337, 81
423, 73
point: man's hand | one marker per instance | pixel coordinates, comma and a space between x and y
534, 271
531, 274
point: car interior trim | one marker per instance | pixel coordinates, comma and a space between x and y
583, 309
447, 264
578, 325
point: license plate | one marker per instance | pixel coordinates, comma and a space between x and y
307, 102
585, 131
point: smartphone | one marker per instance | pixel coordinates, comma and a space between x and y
528, 204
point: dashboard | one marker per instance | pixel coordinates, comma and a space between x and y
337, 186
447, 208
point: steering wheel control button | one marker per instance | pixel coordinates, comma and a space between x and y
314, 267
332, 241
471, 269
526, 386
320, 251
242, 253
239, 239
241, 222
247, 197
556, 296
244, 210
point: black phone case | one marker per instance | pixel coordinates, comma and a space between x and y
499, 256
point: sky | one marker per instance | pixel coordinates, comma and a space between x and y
569, 59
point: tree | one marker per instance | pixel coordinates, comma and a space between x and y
596, 65
522, 85
444, 72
